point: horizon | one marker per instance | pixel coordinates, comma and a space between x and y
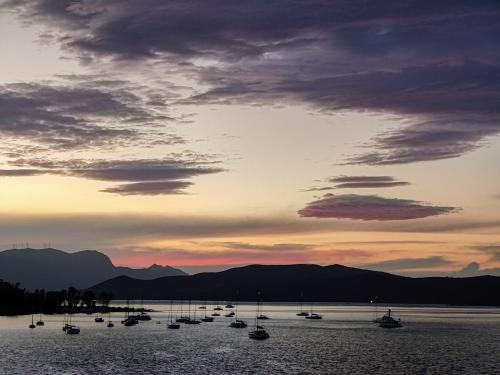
263, 133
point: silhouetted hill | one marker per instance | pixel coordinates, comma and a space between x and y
290, 283
53, 269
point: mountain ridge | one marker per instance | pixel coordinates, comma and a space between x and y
291, 283
54, 269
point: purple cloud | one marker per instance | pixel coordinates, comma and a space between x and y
370, 207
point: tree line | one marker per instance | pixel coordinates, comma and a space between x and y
14, 300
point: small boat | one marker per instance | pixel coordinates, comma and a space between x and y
172, 324
302, 312
129, 322
73, 330
99, 319
32, 325
259, 333
229, 306
192, 321
40, 322
207, 319
202, 307
182, 319
110, 323
229, 315
387, 321
142, 316
238, 324
314, 316
218, 308
263, 317
215, 314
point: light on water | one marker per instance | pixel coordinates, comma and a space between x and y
433, 340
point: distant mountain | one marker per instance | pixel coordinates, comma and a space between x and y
289, 283
53, 269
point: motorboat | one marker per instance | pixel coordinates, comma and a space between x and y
303, 313
387, 321
207, 319
215, 314
229, 315
229, 306
99, 319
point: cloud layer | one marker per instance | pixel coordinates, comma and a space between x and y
370, 207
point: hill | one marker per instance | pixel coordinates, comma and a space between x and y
52, 269
307, 282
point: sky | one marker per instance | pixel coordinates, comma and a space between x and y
212, 134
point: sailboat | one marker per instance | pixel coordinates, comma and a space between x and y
32, 325
172, 324
99, 319
189, 320
237, 323
40, 322
387, 321
181, 318
259, 333
71, 329
313, 316
302, 312
110, 323
261, 316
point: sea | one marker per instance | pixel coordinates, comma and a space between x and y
433, 340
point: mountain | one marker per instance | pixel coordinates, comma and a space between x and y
52, 269
307, 282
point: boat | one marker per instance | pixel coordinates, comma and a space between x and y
142, 316
302, 312
215, 314
259, 333
40, 322
218, 308
110, 323
99, 319
73, 330
387, 321
238, 324
172, 324
229, 306
313, 316
261, 316
229, 315
207, 319
32, 325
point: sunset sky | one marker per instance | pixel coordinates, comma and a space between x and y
211, 134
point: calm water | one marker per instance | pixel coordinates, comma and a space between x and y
432, 341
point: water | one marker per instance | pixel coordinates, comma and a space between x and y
433, 341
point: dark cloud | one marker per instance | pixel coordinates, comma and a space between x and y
366, 182
407, 264
80, 115
150, 176
370, 207
434, 64
20, 172
150, 188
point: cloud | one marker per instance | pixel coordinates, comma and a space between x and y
72, 114
492, 250
473, 269
407, 264
366, 182
149, 188
20, 172
150, 176
435, 66
370, 207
